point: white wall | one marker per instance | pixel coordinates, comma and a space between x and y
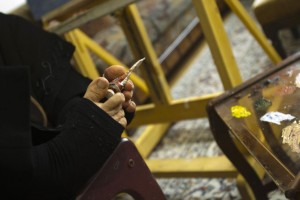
8, 5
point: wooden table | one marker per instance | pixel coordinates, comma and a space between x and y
273, 90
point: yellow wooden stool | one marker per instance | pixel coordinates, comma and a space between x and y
274, 15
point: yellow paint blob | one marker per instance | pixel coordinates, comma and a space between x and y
239, 112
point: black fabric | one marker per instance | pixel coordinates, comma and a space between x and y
15, 141
76, 153
81, 136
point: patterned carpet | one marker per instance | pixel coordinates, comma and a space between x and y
193, 138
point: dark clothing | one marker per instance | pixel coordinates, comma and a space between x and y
34, 62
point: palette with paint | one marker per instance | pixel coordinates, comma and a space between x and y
263, 115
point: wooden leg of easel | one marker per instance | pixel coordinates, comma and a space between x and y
84, 62
215, 35
244, 189
240, 11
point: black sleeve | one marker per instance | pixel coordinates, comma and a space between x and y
64, 165
59, 168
